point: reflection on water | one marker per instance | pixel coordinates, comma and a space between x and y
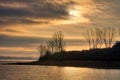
29, 72
72, 73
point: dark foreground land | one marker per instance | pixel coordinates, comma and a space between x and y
97, 58
88, 64
94, 58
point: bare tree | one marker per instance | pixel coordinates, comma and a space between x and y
50, 45
108, 36
42, 50
88, 38
57, 43
93, 37
96, 37
58, 38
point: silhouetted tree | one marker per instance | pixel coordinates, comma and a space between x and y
108, 35
57, 43
96, 37
50, 45
42, 50
88, 38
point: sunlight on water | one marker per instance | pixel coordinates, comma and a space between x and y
29, 72
72, 73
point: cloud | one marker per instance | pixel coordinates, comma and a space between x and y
21, 41
22, 45
16, 41
105, 13
22, 18
10, 30
13, 20
17, 11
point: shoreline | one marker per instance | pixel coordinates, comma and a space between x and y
88, 64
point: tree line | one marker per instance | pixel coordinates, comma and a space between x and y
98, 37
95, 37
56, 44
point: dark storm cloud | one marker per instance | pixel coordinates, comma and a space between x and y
32, 9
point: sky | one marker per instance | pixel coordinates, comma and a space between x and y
24, 24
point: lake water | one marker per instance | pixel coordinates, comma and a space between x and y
34, 72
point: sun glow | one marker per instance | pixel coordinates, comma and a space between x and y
70, 13
76, 15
